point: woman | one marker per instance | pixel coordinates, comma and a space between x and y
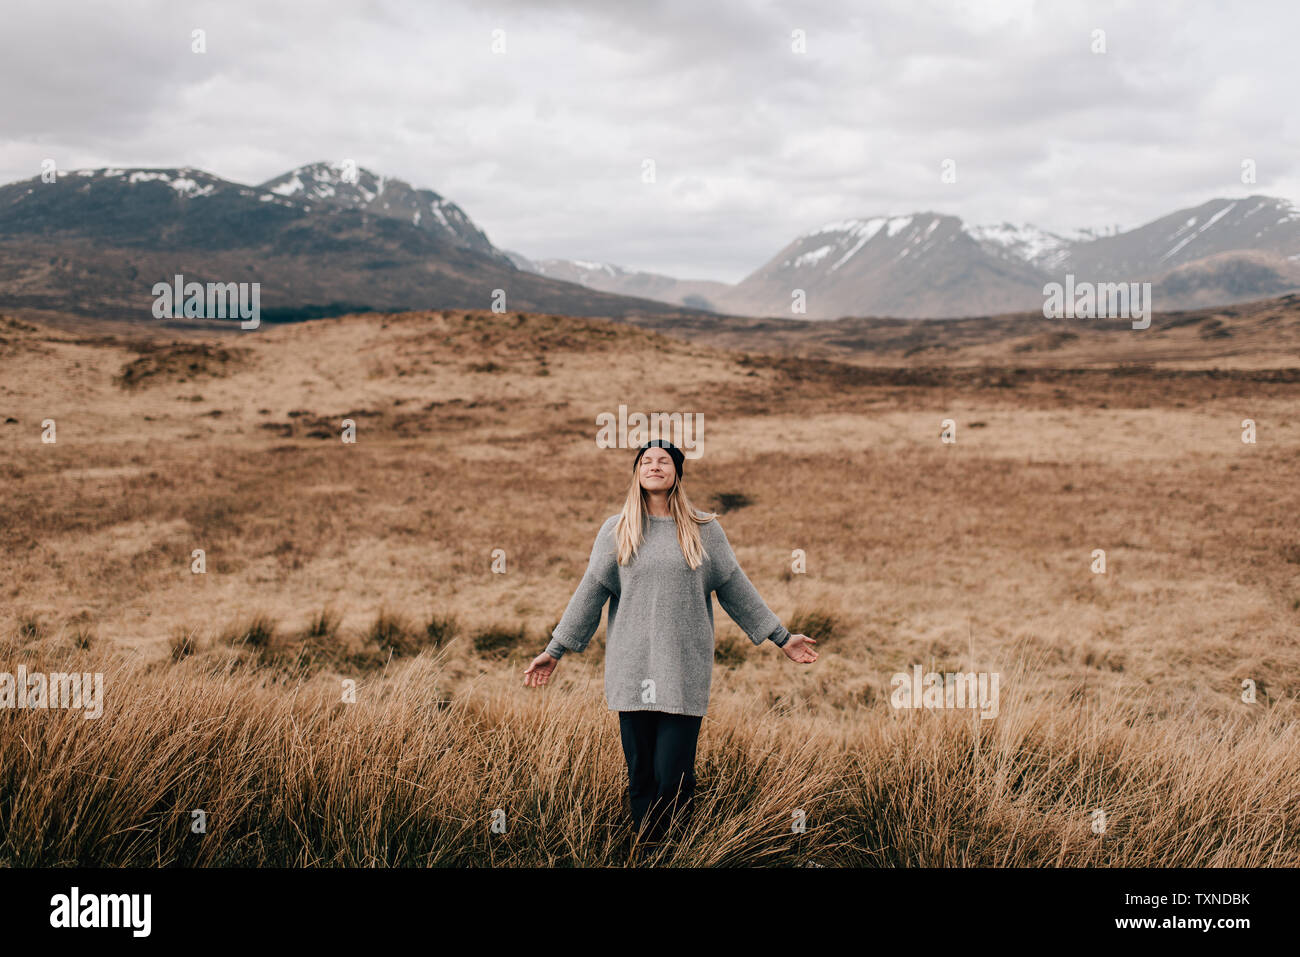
657, 575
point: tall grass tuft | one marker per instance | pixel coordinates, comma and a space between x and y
394, 634
183, 644
409, 775
258, 632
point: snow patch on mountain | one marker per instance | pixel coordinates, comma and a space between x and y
186, 181
897, 225
290, 187
1208, 223
597, 267
814, 257
1027, 243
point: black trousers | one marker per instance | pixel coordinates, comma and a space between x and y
660, 752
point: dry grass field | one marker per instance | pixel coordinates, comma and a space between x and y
373, 562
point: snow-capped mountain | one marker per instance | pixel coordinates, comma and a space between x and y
570, 270
117, 200
332, 235
318, 240
136, 207
1264, 224
1256, 223
694, 293
925, 264
932, 265
352, 187
1027, 244
185, 181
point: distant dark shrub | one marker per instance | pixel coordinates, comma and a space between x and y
394, 635
257, 633
320, 639
498, 641
815, 624
730, 501
30, 627
83, 636
440, 629
730, 651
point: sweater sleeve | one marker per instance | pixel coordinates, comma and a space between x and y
582, 616
741, 601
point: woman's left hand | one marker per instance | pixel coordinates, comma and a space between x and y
798, 649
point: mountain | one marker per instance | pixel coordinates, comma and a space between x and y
96, 241
917, 266
1025, 244
340, 184
694, 293
929, 265
1262, 224
1229, 277
326, 238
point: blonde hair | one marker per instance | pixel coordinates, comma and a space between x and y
627, 530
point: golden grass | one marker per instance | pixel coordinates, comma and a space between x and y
378, 563
287, 774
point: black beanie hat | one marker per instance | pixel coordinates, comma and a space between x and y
673, 451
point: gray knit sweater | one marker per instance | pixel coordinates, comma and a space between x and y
659, 639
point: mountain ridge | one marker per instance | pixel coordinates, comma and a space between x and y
366, 226
95, 241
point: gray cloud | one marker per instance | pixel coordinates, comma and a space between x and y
543, 145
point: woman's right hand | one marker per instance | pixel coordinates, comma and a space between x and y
540, 671
799, 649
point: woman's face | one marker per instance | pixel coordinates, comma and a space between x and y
657, 470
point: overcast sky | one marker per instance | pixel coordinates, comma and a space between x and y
544, 144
